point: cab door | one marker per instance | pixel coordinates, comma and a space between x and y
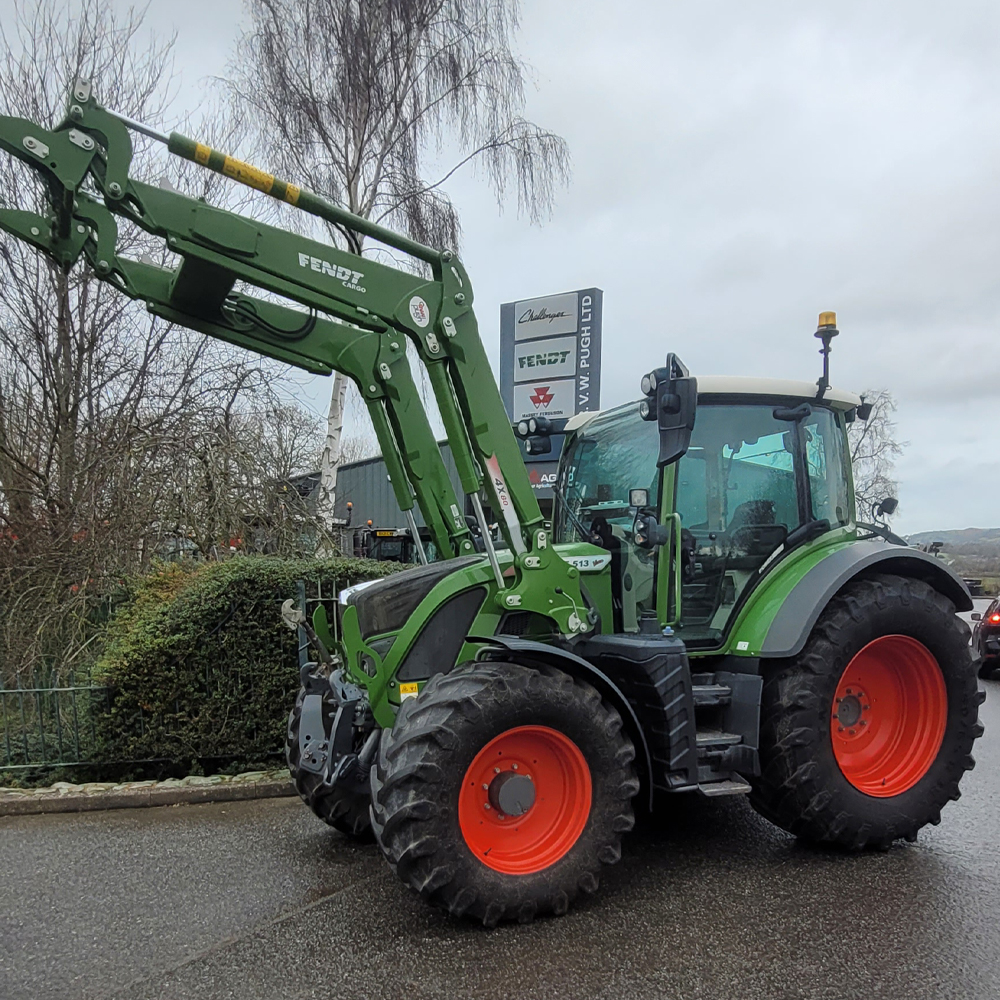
749, 478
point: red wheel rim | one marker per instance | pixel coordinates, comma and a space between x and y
889, 715
539, 771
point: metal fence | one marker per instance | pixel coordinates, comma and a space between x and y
51, 722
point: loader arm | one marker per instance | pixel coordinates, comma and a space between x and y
357, 312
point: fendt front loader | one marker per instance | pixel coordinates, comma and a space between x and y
705, 615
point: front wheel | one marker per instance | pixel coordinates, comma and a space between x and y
344, 807
502, 790
865, 735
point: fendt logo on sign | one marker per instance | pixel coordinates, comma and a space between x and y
541, 396
540, 360
347, 277
552, 358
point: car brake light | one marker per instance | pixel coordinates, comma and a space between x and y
995, 618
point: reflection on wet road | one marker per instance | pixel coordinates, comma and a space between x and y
260, 900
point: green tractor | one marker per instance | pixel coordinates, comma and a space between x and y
705, 615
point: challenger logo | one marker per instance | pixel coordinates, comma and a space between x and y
348, 278
541, 397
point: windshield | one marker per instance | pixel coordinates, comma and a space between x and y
615, 453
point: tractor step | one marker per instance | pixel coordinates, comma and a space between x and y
711, 695
730, 786
711, 738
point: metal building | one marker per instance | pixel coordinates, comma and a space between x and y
366, 485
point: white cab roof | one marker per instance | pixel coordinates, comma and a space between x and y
719, 385
744, 385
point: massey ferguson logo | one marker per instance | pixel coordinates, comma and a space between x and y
541, 396
347, 277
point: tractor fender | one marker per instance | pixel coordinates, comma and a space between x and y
800, 610
529, 653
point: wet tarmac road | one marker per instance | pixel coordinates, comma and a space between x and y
259, 900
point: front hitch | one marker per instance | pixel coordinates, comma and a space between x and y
323, 751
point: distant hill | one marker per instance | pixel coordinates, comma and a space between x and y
956, 536
972, 552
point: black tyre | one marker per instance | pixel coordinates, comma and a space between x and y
346, 810
865, 735
988, 667
502, 790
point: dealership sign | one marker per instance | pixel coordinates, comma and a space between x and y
550, 362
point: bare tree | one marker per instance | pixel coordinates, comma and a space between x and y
352, 96
357, 447
874, 450
232, 483
95, 394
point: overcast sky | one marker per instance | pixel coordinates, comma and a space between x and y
737, 168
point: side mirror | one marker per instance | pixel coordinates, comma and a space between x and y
638, 498
671, 400
977, 616
887, 507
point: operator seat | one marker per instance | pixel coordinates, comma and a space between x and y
753, 534
752, 512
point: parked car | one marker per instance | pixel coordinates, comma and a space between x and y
986, 638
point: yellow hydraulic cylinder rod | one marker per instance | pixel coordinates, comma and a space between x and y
261, 180
246, 173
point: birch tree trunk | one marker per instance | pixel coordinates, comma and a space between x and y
329, 464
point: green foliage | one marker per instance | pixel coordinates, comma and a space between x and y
200, 666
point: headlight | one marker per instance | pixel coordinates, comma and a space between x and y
344, 595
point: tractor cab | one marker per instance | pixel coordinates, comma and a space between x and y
767, 468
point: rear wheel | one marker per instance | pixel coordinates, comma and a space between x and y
502, 790
866, 734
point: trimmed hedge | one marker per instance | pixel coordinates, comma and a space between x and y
202, 670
